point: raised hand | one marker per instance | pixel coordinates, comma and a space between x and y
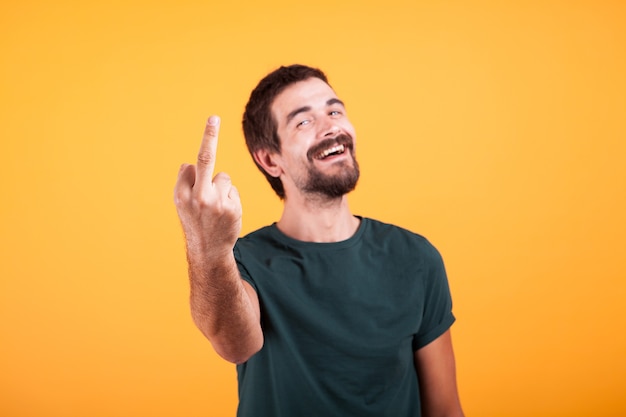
209, 207
223, 306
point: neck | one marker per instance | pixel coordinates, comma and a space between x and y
315, 219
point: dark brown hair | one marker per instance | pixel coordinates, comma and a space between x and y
259, 126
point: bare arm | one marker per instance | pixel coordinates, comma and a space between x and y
437, 375
223, 307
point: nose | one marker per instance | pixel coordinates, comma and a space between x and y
329, 130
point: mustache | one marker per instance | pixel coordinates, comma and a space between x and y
341, 139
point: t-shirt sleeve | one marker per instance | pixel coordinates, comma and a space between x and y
437, 317
243, 271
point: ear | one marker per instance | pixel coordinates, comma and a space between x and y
267, 160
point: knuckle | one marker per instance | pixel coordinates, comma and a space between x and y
222, 176
204, 158
178, 200
203, 201
211, 131
234, 192
180, 197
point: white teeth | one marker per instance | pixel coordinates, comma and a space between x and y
338, 148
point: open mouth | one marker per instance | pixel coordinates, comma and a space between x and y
330, 148
335, 150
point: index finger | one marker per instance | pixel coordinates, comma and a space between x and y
208, 149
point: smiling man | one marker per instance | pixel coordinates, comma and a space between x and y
325, 313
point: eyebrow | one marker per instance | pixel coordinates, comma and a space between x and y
303, 109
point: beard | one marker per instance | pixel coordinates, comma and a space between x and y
337, 185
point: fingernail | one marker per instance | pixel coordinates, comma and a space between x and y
213, 121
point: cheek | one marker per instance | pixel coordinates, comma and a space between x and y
294, 155
347, 126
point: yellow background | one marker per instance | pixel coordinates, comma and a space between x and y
497, 129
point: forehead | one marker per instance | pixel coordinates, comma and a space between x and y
312, 92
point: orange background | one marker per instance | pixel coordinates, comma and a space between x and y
497, 129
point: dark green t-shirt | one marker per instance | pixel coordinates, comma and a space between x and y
341, 322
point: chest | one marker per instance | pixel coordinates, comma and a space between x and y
355, 296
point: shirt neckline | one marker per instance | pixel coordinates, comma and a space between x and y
289, 241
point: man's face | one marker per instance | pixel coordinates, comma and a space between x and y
317, 140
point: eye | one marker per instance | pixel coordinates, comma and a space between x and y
303, 123
334, 113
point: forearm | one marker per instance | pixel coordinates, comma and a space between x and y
436, 371
222, 308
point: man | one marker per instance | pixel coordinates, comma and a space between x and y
324, 313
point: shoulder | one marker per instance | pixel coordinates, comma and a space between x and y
253, 251
260, 244
398, 238
261, 237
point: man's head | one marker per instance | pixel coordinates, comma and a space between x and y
272, 121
